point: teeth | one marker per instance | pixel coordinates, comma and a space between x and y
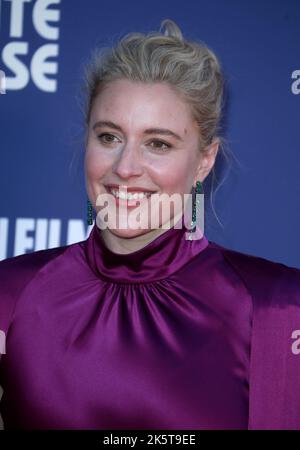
130, 195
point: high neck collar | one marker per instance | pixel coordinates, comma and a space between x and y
164, 255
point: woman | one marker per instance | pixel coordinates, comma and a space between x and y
142, 328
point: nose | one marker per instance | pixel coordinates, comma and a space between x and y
128, 163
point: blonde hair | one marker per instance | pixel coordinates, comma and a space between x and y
189, 67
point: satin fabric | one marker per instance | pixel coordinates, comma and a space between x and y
274, 402
156, 339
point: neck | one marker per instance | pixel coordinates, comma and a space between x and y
125, 245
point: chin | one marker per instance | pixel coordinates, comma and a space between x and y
128, 233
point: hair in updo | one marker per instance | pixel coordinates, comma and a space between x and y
190, 68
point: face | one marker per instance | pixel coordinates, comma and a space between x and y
130, 151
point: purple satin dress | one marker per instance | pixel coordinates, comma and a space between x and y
155, 339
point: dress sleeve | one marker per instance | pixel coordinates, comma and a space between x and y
15, 274
8, 296
275, 347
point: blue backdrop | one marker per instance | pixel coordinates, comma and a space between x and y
44, 44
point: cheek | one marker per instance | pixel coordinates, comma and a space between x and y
95, 165
173, 175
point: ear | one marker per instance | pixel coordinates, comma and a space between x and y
207, 160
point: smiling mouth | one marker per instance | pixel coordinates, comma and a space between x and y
125, 195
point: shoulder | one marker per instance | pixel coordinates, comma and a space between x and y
19, 269
267, 280
16, 273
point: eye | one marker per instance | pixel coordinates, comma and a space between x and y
160, 147
107, 138
109, 141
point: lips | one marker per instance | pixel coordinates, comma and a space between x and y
128, 189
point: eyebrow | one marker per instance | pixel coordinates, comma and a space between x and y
162, 131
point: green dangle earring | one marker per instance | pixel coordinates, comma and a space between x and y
90, 213
196, 202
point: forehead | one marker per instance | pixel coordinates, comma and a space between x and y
127, 100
